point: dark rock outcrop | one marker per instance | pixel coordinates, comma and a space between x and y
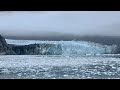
5, 49
37, 49
3, 45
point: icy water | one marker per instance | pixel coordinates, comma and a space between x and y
59, 67
79, 60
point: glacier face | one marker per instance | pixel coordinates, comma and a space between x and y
82, 47
71, 47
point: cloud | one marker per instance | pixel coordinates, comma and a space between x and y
59, 23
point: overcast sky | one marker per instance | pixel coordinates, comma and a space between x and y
54, 23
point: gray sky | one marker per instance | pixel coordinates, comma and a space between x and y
55, 23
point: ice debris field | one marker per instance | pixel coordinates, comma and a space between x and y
80, 60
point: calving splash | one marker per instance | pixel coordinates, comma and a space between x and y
70, 47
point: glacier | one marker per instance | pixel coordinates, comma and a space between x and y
70, 47
79, 60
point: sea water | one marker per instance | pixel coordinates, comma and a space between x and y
79, 59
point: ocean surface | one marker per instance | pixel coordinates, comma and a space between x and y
79, 60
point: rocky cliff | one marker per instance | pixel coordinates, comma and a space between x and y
3, 45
